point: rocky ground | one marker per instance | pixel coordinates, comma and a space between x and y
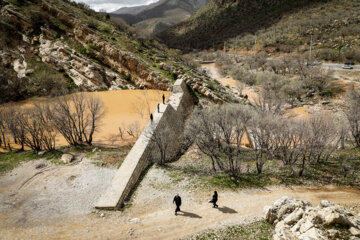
297, 219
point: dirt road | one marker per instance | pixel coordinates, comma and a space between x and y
57, 204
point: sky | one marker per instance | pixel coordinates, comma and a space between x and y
112, 5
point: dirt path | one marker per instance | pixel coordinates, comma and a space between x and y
51, 207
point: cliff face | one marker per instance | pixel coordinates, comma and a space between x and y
224, 19
52, 47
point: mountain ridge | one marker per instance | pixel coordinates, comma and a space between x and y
160, 15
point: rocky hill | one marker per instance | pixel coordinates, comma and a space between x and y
280, 26
161, 15
52, 47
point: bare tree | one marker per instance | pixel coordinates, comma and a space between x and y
122, 130
270, 98
77, 117
4, 139
219, 132
353, 116
263, 128
133, 129
161, 139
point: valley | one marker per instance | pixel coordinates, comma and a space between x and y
105, 117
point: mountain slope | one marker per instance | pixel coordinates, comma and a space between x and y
53, 47
161, 15
223, 19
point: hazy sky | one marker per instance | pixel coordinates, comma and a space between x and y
112, 5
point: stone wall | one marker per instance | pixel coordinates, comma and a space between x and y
169, 122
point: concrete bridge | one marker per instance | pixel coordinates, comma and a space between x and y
169, 122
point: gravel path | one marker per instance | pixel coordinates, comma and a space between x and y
64, 209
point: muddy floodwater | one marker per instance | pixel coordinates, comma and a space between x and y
122, 109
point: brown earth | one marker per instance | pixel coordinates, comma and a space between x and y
58, 204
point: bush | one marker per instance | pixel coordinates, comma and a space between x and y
328, 54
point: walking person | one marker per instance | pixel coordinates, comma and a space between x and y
151, 117
177, 201
158, 108
163, 98
214, 199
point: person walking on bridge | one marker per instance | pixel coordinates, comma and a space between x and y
177, 201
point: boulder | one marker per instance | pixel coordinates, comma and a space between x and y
67, 158
295, 219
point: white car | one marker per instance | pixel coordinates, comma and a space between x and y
347, 67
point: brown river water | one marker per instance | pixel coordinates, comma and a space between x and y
122, 108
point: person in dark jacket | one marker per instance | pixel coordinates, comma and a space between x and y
214, 199
163, 97
177, 201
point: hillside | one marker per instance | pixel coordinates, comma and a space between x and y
159, 16
282, 26
53, 47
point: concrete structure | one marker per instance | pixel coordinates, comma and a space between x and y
169, 124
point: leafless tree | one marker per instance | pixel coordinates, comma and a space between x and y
14, 117
219, 132
77, 117
161, 139
262, 130
353, 116
271, 98
4, 139
122, 130
133, 129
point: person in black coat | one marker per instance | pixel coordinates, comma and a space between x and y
214, 199
177, 201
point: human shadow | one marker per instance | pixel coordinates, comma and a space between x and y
227, 210
188, 214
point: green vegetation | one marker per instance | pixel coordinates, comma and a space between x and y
282, 26
10, 160
127, 77
260, 230
343, 168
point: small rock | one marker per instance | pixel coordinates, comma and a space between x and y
95, 149
324, 204
135, 220
354, 231
67, 158
39, 166
41, 153
332, 232
102, 215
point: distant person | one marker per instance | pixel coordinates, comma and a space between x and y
214, 199
151, 117
158, 108
163, 98
177, 201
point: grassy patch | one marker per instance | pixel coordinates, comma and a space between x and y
11, 160
342, 168
260, 230
244, 181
